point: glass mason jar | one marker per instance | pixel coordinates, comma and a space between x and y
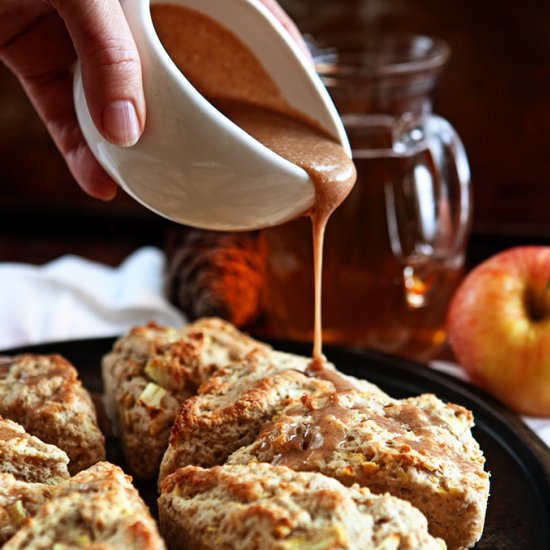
394, 251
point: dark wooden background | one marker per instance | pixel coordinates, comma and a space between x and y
495, 91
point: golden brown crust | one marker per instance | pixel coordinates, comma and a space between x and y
97, 508
152, 370
44, 394
28, 458
418, 449
231, 407
260, 506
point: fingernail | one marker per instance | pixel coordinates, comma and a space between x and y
120, 123
109, 195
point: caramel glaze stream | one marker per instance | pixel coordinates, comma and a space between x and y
228, 74
330, 169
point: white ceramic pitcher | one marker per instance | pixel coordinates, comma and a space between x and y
192, 164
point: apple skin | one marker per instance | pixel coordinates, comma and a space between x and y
499, 327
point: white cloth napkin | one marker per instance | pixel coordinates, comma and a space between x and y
72, 298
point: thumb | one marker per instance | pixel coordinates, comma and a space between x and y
288, 24
111, 70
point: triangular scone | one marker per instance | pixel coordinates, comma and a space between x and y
18, 501
419, 449
97, 508
152, 370
232, 405
28, 458
44, 394
264, 507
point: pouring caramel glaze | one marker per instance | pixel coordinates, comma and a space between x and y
228, 74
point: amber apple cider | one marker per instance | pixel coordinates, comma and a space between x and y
372, 296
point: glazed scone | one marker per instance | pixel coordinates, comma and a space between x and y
264, 507
44, 394
18, 501
419, 449
97, 508
28, 458
152, 370
231, 407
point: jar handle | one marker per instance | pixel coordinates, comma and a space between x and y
429, 210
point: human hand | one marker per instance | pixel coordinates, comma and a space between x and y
39, 42
288, 24
41, 39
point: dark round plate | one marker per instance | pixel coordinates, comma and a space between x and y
518, 515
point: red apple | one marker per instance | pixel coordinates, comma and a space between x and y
499, 327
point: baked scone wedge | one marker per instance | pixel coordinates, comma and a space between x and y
28, 458
418, 449
232, 405
18, 501
152, 370
264, 507
97, 508
44, 394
